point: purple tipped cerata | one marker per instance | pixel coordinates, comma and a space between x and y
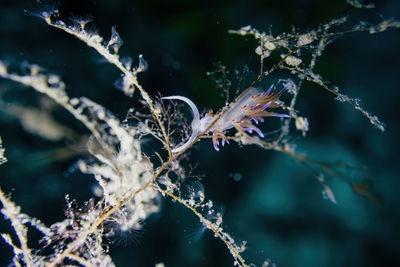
250, 106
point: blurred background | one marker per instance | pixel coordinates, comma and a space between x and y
269, 199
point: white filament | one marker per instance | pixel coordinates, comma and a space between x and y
196, 119
195, 111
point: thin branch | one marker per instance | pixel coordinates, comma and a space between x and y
11, 211
95, 41
80, 260
218, 231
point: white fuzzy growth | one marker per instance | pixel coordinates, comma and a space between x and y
302, 124
2, 157
292, 61
270, 46
305, 39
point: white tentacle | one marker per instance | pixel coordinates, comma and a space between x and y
196, 119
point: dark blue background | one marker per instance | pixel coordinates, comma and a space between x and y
277, 206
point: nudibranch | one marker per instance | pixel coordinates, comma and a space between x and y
249, 107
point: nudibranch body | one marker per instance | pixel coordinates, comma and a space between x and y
247, 108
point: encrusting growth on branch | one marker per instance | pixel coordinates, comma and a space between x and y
130, 184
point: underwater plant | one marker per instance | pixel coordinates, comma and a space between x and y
133, 175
